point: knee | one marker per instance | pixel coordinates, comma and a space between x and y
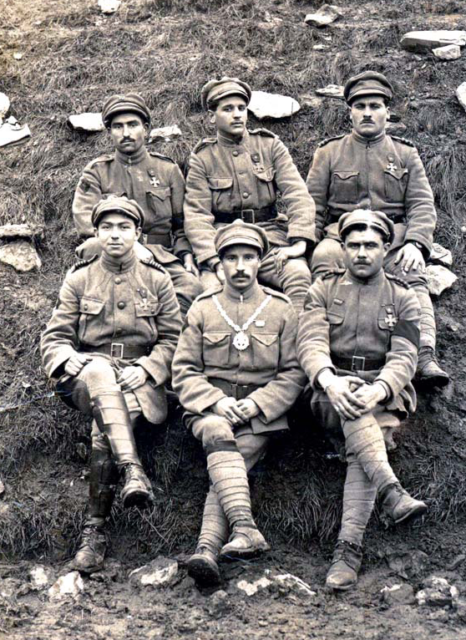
251, 447
188, 286
213, 430
98, 372
298, 270
327, 255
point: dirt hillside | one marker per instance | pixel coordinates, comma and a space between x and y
59, 58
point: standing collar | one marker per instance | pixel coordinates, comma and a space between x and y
118, 266
230, 142
134, 158
368, 142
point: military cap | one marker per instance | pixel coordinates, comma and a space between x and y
131, 102
240, 232
373, 219
215, 90
117, 204
368, 83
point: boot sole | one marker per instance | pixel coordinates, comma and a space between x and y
243, 554
434, 381
342, 588
417, 512
203, 572
140, 499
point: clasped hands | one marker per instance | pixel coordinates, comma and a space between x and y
236, 411
129, 379
351, 397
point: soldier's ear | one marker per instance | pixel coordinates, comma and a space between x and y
211, 115
96, 231
138, 232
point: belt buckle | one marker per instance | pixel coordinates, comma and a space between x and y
252, 213
117, 345
358, 360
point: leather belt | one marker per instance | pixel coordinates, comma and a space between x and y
117, 350
358, 363
237, 391
163, 239
248, 215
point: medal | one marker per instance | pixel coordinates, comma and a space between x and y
241, 339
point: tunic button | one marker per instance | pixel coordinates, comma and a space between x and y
117, 280
245, 194
85, 307
235, 153
121, 305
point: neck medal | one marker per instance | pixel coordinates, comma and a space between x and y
241, 339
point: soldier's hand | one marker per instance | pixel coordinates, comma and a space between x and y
248, 408
132, 377
371, 395
77, 361
411, 258
142, 252
220, 273
189, 265
343, 399
227, 408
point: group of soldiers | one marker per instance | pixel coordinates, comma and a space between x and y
170, 285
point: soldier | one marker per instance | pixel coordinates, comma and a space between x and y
236, 176
357, 342
371, 170
153, 180
108, 347
236, 373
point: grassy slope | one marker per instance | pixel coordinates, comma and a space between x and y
73, 58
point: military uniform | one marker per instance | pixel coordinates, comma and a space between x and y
383, 173
157, 185
241, 179
210, 366
370, 329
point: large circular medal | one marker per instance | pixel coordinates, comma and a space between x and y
241, 341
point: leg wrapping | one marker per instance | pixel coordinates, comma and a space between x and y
112, 417
358, 502
230, 481
214, 529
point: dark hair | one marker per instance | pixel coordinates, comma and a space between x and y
361, 226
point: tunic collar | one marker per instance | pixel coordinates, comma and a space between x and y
375, 279
134, 158
368, 142
237, 296
230, 142
118, 266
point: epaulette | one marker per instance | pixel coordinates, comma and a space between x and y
398, 280
333, 273
327, 140
162, 157
403, 141
150, 262
107, 157
82, 263
276, 294
208, 293
263, 132
204, 143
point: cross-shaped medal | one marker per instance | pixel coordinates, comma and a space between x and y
391, 166
390, 320
154, 182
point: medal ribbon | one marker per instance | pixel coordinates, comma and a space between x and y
248, 323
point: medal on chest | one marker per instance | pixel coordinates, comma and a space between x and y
241, 340
391, 166
390, 318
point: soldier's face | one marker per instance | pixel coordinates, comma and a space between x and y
230, 116
117, 234
364, 252
369, 115
128, 132
240, 265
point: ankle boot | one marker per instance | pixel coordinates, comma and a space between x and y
203, 567
92, 550
137, 491
399, 505
346, 562
246, 541
428, 371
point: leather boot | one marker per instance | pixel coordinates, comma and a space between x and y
346, 562
399, 505
203, 567
428, 371
246, 541
112, 417
102, 483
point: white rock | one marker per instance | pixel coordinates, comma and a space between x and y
12, 132
450, 52
437, 592
251, 588
461, 94
20, 231
320, 47
327, 14
109, 6
272, 105
422, 40
331, 91
39, 576
158, 573
440, 254
18, 56
2, 488
87, 122
398, 594
439, 279
293, 583
4, 106
165, 134
21, 255
70, 585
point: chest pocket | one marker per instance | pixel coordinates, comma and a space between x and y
395, 185
345, 187
147, 313
222, 193
159, 202
89, 311
265, 350
216, 348
265, 178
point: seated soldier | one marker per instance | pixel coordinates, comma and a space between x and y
108, 347
236, 373
153, 180
357, 342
